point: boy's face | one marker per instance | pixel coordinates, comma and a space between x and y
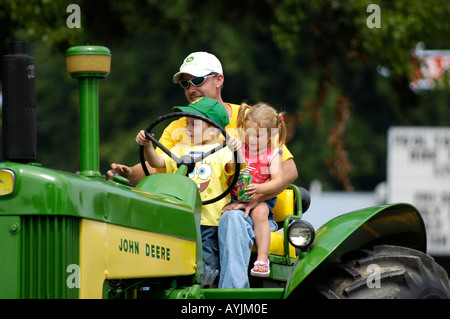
199, 131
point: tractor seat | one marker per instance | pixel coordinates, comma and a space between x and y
277, 245
288, 203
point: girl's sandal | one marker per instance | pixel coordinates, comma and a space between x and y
255, 273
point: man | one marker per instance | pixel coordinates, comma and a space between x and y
200, 75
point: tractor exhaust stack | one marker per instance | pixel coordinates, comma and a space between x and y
19, 105
88, 64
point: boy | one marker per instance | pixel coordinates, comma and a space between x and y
211, 175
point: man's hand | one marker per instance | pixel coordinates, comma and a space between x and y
246, 206
120, 169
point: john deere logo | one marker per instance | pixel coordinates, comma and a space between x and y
189, 59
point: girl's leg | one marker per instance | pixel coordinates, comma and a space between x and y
260, 215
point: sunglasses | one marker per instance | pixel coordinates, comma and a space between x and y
195, 81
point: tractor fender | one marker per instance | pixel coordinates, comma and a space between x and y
394, 224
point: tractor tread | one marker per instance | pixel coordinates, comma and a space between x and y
385, 272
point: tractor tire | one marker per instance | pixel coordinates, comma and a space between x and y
385, 272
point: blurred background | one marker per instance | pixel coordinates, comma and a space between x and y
344, 71
342, 83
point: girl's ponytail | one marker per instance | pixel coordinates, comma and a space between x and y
281, 127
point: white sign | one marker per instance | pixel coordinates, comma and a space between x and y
419, 173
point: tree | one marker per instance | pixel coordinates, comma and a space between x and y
318, 60
341, 39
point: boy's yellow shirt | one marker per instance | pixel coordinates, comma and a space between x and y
175, 132
212, 176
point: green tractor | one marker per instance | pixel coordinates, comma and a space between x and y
81, 235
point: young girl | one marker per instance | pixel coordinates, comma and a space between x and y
264, 132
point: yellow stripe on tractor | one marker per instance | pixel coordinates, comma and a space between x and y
115, 252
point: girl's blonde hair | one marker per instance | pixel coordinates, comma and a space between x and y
265, 116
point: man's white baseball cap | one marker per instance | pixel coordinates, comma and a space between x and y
199, 64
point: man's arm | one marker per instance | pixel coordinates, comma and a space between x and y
135, 173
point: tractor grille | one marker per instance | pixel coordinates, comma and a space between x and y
49, 245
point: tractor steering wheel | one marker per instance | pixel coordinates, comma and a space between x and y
187, 160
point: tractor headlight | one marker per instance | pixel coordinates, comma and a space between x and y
7, 182
300, 234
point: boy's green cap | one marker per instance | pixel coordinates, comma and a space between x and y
208, 107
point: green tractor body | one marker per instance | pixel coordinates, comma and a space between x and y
62, 231
67, 235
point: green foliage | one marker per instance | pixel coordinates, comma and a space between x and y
318, 60
44, 20
57, 111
